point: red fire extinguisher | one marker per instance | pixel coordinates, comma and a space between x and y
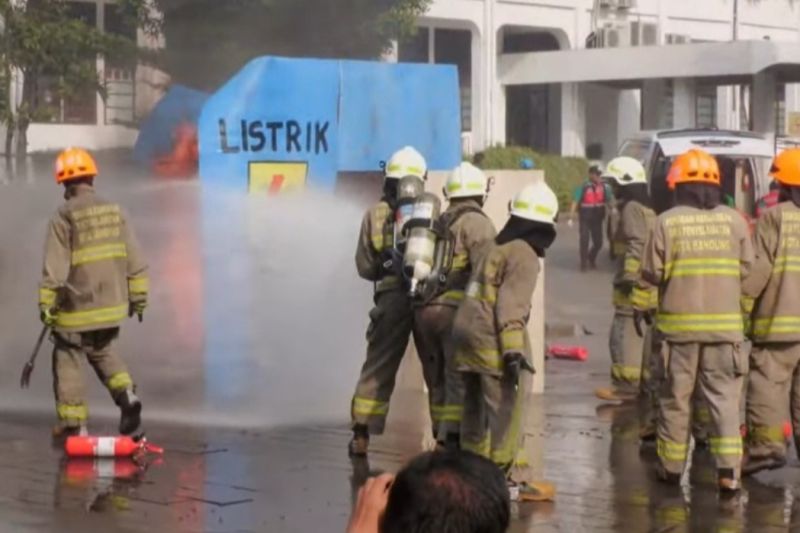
108, 447
564, 351
84, 470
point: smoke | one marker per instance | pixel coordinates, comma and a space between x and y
256, 316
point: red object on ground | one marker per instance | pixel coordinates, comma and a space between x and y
564, 351
107, 447
82, 469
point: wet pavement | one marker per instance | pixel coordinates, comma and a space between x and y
287, 470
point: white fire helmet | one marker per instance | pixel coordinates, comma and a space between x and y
625, 171
536, 202
406, 162
466, 181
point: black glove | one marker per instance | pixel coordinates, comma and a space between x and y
639, 317
391, 261
625, 288
513, 365
137, 308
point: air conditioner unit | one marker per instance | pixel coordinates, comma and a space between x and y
617, 4
644, 33
614, 36
675, 38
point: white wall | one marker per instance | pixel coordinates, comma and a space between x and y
52, 137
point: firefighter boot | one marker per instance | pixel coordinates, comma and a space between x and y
728, 482
359, 444
130, 408
613, 395
63, 432
535, 491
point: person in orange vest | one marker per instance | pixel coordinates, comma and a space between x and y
591, 201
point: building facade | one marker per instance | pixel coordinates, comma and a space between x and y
592, 117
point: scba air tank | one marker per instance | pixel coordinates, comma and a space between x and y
420, 254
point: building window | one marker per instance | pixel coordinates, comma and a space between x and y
706, 106
415, 49
454, 47
77, 108
120, 72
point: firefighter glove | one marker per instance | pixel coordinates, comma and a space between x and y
513, 365
137, 308
639, 317
48, 315
391, 261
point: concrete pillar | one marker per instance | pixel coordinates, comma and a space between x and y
763, 103
655, 113
476, 133
629, 115
100, 104
684, 104
573, 120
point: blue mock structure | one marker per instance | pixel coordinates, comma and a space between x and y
179, 105
283, 123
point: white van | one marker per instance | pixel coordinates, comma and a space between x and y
744, 158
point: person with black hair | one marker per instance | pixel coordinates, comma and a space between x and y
437, 492
629, 180
698, 257
591, 201
490, 335
774, 382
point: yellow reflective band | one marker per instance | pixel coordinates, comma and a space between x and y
47, 297
140, 285
367, 407
447, 413
460, 261
406, 170
747, 304
92, 317
725, 446
72, 412
632, 266
672, 451
488, 358
454, 295
676, 323
482, 292
377, 241
119, 381
512, 340
787, 263
702, 267
776, 324
626, 373
117, 250
480, 448
672, 516
759, 434
643, 298
702, 414
387, 283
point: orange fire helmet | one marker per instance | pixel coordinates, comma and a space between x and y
73, 164
786, 167
694, 166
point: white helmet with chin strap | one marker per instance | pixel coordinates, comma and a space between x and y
536, 202
625, 171
406, 162
467, 181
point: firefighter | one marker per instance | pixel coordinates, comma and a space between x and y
491, 339
466, 227
93, 277
629, 180
774, 380
698, 256
391, 320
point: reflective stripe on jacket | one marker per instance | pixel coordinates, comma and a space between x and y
635, 224
698, 260
93, 266
376, 236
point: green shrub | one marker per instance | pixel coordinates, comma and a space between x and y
563, 174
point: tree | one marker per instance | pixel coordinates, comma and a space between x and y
54, 51
208, 40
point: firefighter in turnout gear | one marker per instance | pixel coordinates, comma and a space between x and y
490, 335
774, 379
94, 277
391, 320
698, 257
465, 228
637, 218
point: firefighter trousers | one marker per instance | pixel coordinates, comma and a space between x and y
773, 392
99, 348
628, 354
433, 326
493, 416
391, 323
718, 370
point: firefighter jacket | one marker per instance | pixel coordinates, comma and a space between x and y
375, 244
635, 224
698, 260
775, 279
469, 228
93, 267
492, 320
